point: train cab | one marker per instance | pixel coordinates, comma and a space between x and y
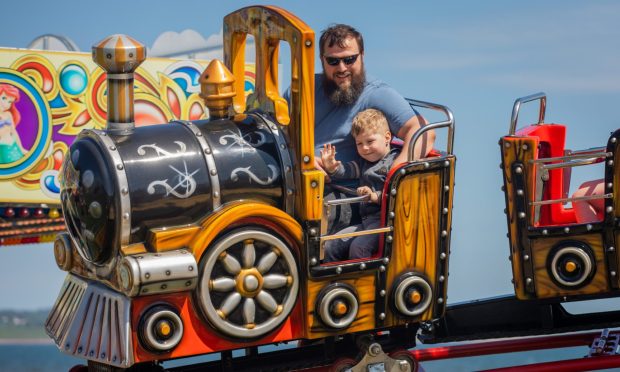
197, 237
555, 254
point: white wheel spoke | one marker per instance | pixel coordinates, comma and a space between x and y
267, 301
249, 311
223, 284
273, 281
266, 262
230, 264
230, 303
249, 254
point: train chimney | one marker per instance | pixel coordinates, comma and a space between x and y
217, 89
119, 56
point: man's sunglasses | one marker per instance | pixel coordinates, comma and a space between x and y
334, 61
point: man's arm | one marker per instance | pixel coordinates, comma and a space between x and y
424, 145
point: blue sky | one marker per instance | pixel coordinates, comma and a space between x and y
475, 57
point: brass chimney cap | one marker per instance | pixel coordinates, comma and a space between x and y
119, 54
217, 88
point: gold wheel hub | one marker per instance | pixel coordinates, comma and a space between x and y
249, 282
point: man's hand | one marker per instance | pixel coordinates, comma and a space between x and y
365, 190
328, 158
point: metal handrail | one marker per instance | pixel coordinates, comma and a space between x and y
566, 200
517, 106
448, 123
357, 233
572, 163
574, 155
356, 199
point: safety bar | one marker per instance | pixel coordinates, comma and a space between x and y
448, 123
584, 154
517, 106
357, 233
356, 199
572, 163
576, 198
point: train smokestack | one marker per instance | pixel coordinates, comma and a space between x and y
119, 56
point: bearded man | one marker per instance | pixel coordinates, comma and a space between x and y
343, 90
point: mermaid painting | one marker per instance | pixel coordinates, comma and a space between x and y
11, 148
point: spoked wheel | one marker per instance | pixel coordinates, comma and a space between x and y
248, 283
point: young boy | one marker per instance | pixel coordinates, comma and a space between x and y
372, 139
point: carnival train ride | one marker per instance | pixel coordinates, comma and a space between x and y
206, 236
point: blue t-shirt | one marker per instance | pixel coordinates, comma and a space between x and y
333, 123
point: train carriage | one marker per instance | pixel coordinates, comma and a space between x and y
553, 254
206, 236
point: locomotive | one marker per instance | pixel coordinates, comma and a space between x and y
196, 237
555, 256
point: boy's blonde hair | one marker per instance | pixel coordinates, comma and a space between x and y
369, 120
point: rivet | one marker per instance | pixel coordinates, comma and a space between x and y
442, 256
119, 166
393, 192
520, 192
610, 162
426, 165
362, 266
216, 194
445, 211
567, 229
392, 215
382, 316
126, 216
588, 227
314, 184
521, 214
386, 260
147, 275
611, 249
288, 169
313, 261
446, 163
207, 150
613, 140
519, 170
382, 268
389, 238
440, 300
545, 232
213, 172
306, 159
338, 270
528, 280
113, 148
168, 272
190, 268
609, 209
524, 147
124, 191
198, 134
382, 293
442, 278
313, 231
289, 192
188, 283
444, 233
446, 188
507, 144
402, 172
308, 43
610, 185
525, 257
613, 273
283, 146
164, 286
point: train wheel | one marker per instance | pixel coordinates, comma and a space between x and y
248, 283
342, 365
407, 363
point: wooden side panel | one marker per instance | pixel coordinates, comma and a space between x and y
365, 320
312, 205
416, 231
546, 288
517, 149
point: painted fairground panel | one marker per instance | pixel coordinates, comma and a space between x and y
46, 99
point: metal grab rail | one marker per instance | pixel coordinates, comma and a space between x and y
356, 199
566, 200
572, 163
357, 233
583, 154
442, 124
517, 106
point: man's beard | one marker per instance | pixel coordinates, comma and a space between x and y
344, 96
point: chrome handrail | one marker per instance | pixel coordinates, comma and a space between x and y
442, 124
572, 163
517, 106
566, 200
574, 155
356, 199
357, 233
